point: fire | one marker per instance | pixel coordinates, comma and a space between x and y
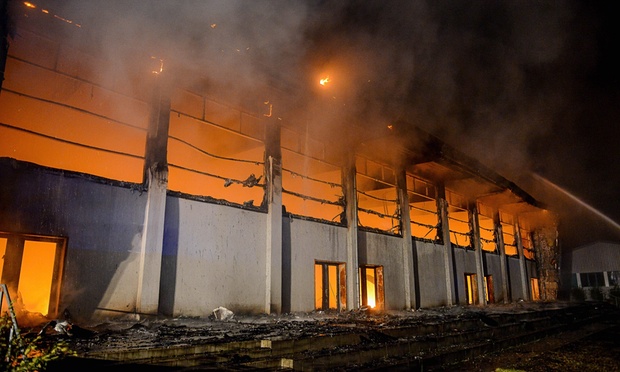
324, 81
30, 5
158, 66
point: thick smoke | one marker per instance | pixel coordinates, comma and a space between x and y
501, 81
472, 72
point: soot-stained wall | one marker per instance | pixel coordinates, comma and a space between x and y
431, 274
384, 250
101, 220
309, 241
213, 255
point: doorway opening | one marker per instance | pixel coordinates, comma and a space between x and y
472, 289
330, 291
31, 267
488, 286
535, 289
371, 287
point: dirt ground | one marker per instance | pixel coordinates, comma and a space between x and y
589, 349
594, 347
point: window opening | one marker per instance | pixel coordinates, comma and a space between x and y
40, 123
423, 210
526, 240
614, 278
508, 233
472, 289
31, 266
371, 287
489, 290
488, 241
207, 159
535, 289
458, 216
3, 242
377, 197
311, 187
329, 286
592, 279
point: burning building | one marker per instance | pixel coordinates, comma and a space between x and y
129, 189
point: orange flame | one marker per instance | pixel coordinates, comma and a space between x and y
324, 81
158, 66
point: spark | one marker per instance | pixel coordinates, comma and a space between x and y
45, 11
156, 70
324, 81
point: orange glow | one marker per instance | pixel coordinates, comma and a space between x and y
371, 293
324, 81
36, 274
3, 242
535, 289
318, 286
316, 169
45, 11
158, 66
68, 131
29, 5
217, 141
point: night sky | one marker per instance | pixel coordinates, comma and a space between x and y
526, 87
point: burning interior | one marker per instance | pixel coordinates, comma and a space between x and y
135, 191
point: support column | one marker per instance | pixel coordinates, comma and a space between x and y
12, 264
273, 201
448, 254
350, 194
473, 217
4, 35
502, 255
156, 180
522, 272
407, 244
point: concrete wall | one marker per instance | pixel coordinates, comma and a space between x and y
465, 262
304, 242
431, 274
514, 277
102, 220
214, 255
492, 266
386, 251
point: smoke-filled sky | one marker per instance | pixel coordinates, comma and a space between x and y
523, 86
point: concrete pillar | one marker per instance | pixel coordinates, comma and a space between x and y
502, 255
350, 194
522, 272
4, 35
12, 264
448, 254
273, 201
407, 244
156, 180
473, 217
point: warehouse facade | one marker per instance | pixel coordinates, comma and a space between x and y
147, 195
